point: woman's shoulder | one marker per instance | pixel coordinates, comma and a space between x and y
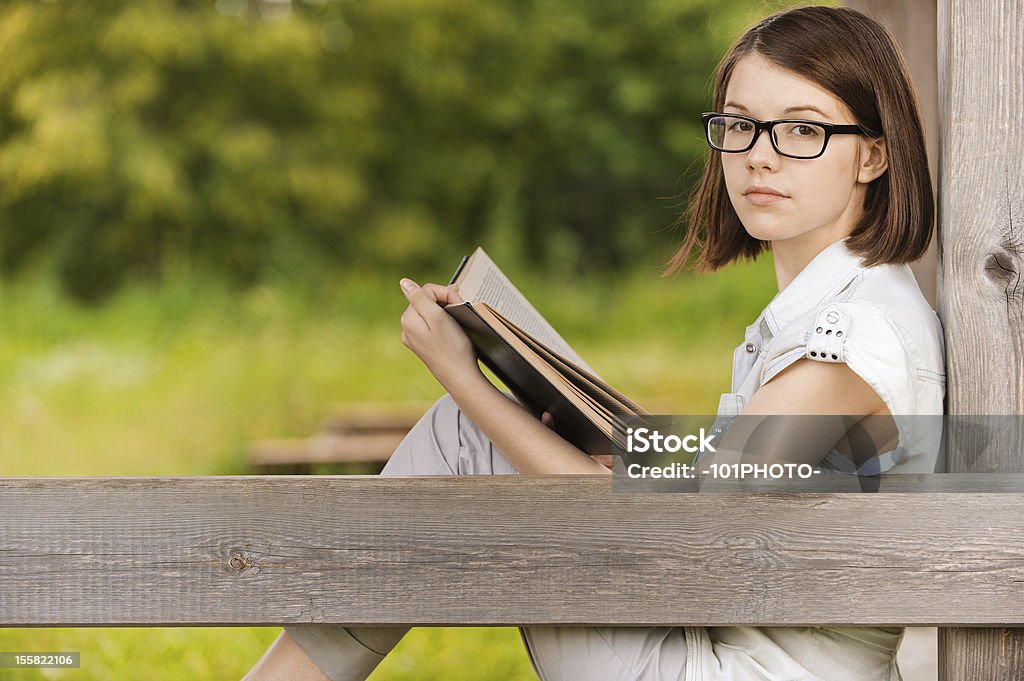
890, 287
890, 293
882, 327
882, 304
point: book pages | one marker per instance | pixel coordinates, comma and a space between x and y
613, 400
481, 281
611, 426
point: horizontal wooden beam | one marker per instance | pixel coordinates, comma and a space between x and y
261, 551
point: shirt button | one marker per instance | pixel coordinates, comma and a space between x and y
750, 347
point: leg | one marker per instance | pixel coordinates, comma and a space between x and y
443, 442
331, 652
283, 661
607, 653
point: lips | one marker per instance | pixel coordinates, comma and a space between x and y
763, 196
759, 189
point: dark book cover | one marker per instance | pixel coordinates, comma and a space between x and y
529, 386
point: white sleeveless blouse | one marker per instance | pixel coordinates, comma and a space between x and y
883, 328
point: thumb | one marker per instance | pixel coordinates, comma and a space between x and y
453, 296
408, 285
419, 300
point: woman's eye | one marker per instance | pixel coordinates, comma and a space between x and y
805, 130
741, 126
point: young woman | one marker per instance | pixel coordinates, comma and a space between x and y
818, 156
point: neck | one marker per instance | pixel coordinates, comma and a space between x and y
792, 255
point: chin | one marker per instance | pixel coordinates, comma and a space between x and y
765, 232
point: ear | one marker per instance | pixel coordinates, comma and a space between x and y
874, 160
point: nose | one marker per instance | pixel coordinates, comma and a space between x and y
762, 154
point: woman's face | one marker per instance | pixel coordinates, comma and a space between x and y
812, 201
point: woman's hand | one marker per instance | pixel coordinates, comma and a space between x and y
434, 336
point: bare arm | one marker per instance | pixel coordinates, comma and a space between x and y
807, 388
528, 444
438, 340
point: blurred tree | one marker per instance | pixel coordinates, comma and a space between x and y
255, 136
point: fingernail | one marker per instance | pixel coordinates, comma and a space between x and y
406, 284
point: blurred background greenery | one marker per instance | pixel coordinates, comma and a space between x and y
205, 207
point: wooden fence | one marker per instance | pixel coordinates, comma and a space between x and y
503, 550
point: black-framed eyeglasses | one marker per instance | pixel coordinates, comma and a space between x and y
794, 138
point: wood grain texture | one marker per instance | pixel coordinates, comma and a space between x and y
981, 260
261, 551
980, 654
981, 91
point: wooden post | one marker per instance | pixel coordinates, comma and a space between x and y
981, 261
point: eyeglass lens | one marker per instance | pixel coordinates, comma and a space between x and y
728, 133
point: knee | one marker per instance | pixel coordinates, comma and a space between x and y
443, 415
566, 653
608, 653
445, 404
445, 442
431, 447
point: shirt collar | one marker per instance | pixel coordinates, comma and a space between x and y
823, 277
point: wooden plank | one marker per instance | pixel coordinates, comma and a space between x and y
981, 297
262, 551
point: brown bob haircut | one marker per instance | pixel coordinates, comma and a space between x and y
854, 58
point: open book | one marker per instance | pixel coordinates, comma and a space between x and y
522, 349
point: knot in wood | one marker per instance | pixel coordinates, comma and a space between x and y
1003, 269
238, 562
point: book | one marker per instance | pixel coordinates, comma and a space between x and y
537, 365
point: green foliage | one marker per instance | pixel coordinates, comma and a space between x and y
249, 137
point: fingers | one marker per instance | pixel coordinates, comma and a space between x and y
412, 321
419, 300
547, 419
443, 295
427, 300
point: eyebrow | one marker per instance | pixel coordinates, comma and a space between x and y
787, 110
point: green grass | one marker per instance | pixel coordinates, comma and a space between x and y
177, 379
197, 654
